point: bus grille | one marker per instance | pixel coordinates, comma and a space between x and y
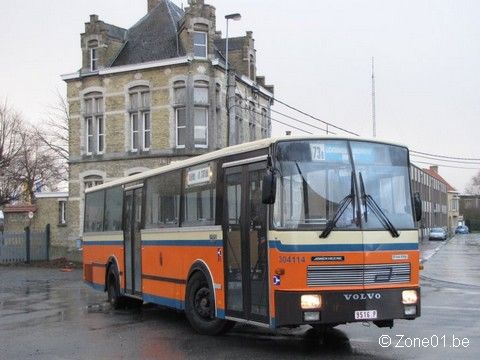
358, 274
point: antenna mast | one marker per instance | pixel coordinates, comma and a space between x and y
373, 99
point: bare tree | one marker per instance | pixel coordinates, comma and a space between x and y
53, 133
36, 166
28, 161
10, 145
473, 188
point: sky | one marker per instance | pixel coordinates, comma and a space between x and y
317, 54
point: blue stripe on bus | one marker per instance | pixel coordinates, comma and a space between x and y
92, 243
216, 243
95, 285
272, 323
341, 247
221, 313
160, 300
169, 302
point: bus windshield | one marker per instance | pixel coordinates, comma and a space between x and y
314, 177
383, 170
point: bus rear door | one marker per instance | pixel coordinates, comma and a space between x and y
132, 220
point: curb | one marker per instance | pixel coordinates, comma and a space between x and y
470, 286
436, 250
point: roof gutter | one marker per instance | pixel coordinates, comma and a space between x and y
126, 68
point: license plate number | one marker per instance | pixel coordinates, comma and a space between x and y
365, 314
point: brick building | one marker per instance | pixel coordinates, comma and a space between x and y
470, 209
433, 191
156, 93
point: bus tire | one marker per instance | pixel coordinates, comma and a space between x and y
113, 289
200, 307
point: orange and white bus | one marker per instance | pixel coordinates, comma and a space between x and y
276, 232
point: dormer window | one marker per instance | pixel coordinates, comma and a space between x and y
200, 44
93, 59
93, 48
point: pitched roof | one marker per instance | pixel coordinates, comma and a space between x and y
116, 31
154, 37
437, 176
235, 43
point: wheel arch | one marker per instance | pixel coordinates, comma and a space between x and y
201, 266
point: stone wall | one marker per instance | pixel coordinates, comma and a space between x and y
46, 211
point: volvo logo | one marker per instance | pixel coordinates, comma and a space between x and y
362, 296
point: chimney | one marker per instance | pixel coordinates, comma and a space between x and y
152, 4
434, 168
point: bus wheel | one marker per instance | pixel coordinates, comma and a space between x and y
113, 290
200, 307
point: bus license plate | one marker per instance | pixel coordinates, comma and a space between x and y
365, 314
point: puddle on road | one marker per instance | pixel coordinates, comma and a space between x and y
98, 308
309, 339
29, 319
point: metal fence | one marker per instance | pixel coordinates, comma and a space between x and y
24, 246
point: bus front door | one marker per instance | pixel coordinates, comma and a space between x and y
245, 224
132, 219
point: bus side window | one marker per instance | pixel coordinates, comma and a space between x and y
113, 209
163, 200
94, 206
199, 195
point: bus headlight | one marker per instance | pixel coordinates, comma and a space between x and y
409, 297
311, 302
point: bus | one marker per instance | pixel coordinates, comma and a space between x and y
279, 232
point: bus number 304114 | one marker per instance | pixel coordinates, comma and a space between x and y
291, 259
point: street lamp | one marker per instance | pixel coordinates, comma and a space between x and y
234, 17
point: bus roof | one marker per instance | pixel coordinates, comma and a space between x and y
231, 150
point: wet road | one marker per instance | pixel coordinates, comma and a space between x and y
48, 314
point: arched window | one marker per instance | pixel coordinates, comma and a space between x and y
92, 180
239, 118
179, 103
253, 120
140, 118
180, 93
200, 93
218, 96
200, 41
94, 123
200, 114
264, 124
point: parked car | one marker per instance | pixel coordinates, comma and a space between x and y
438, 234
462, 229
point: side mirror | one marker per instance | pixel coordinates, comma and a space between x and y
417, 202
269, 188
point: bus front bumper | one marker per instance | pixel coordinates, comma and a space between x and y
338, 307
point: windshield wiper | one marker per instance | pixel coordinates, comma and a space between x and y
342, 206
304, 189
368, 200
